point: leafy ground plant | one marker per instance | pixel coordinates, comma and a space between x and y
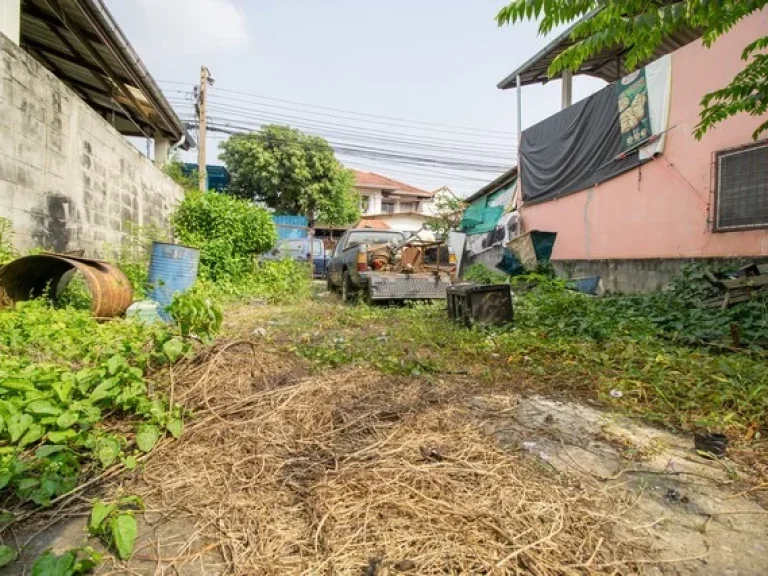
115, 524
7, 555
73, 562
196, 314
61, 374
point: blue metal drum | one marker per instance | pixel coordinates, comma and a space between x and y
172, 269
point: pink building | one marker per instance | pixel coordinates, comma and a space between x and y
679, 199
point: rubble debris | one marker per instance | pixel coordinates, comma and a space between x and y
673, 496
404, 566
714, 444
33, 277
431, 453
145, 311
742, 286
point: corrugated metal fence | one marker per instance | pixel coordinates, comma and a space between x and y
291, 227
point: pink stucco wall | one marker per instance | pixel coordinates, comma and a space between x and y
663, 208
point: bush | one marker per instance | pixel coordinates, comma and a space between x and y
7, 253
481, 274
228, 231
274, 281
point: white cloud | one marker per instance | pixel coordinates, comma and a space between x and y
188, 27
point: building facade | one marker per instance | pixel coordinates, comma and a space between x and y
636, 218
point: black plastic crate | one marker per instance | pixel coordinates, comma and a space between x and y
487, 304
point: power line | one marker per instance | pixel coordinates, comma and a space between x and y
418, 171
362, 139
384, 154
236, 126
462, 145
411, 122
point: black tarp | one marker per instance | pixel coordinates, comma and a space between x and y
574, 149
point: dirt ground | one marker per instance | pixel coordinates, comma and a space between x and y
287, 469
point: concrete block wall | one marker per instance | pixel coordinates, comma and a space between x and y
68, 179
637, 276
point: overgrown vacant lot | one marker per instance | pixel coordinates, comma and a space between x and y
671, 362
320, 438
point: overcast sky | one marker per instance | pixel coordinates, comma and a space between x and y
424, 61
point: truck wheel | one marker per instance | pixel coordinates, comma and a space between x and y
347, 291
328, 282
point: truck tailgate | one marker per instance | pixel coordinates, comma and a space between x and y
393, 286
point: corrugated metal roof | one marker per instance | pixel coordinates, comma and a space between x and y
501, 181
80, 43
607, 65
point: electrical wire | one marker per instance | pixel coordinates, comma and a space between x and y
363, 115
235, 113
370, 152
416, 149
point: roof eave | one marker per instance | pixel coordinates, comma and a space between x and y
113, 36
511, 80
505, 178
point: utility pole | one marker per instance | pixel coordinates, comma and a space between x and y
202, 102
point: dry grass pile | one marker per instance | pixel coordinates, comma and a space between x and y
359, 473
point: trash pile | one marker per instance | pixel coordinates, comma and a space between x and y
415, 256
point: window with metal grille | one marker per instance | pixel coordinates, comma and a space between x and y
741, 197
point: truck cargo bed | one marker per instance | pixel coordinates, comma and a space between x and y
420, 286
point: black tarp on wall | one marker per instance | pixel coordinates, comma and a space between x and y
574, 149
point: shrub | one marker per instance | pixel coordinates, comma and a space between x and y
228, 231
481, 274
7, 253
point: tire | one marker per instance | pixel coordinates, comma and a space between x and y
329, 284
347, 290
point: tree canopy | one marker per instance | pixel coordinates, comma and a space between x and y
293, 173
641, 26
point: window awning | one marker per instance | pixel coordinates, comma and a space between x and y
82, 45
608, 64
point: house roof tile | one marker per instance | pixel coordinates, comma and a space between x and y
373, 180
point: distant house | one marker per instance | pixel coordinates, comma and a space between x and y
388, 202
619, 176
382, 195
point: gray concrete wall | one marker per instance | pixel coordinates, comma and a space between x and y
620, 276
68, 180
642, 275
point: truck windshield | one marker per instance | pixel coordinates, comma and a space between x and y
373, 237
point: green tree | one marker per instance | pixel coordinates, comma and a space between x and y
641, 26
447, 214
293, 173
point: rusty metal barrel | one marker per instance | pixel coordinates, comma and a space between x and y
41, 274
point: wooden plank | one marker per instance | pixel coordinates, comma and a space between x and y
747, 281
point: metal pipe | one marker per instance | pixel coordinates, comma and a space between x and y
519, 112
